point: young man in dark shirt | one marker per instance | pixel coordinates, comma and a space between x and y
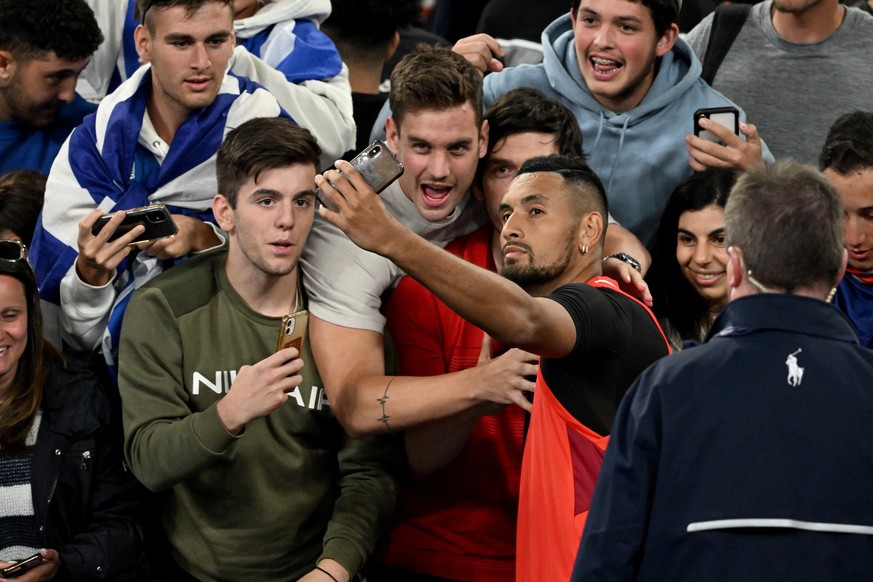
553, 301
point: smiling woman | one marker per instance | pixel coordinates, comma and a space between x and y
65, 499
687, 278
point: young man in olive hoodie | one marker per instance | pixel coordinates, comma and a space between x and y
265, 484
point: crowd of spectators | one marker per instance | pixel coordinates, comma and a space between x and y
588, 331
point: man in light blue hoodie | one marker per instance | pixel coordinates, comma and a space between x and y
634, 87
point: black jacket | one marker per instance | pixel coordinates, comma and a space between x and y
84, 497
745, 458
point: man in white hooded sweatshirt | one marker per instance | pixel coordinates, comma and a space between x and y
284, 35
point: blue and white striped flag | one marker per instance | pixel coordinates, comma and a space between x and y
96, 167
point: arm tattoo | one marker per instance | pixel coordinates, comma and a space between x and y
383, 400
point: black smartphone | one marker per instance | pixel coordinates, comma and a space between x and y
728, 117
293, 331
19, 568
377, 165
156, 218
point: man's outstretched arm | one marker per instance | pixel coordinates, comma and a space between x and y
498, 306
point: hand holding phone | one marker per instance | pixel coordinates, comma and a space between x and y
717, 148
728, 117
99, 257
377, 166
19, 568
258, 390
155, 218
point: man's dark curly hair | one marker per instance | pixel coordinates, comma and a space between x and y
849, 144
30, 28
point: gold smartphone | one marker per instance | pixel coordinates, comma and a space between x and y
293, 331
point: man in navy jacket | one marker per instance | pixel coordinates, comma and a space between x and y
748, 457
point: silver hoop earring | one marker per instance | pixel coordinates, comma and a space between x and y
584, 249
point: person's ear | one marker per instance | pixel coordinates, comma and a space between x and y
483, 139
843, 266
392, 46
392, 135
223, 212
142, 40
8, 66
476, 187
735, 269
589, 231
667, 40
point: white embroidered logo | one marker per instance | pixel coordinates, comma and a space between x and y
795, 372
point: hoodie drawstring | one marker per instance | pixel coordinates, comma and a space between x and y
618, 153
599, 131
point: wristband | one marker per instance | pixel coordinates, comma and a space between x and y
332, 577
626, 258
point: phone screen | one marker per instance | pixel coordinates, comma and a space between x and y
726, 117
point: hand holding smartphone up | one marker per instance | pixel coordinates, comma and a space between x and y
155, 218
376, 164
718, 140
728, 117
106, 239
261, 388
101, 253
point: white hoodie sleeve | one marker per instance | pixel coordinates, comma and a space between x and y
322, 107
84, 310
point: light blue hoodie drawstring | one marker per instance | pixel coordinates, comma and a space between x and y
599, 131
618, 153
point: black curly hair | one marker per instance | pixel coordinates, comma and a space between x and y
31, 28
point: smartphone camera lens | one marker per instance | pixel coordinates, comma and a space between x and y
374, 152
155, 218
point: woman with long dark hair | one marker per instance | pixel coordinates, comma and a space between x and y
65, 498
687, 279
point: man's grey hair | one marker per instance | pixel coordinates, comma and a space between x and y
788, 221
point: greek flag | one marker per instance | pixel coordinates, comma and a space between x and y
97, 167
